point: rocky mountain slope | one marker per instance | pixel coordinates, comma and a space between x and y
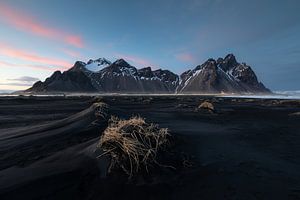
222, 75
101, 75
68, 81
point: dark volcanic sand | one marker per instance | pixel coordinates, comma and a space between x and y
248, 149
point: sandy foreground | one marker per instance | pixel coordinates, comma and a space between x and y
247, 149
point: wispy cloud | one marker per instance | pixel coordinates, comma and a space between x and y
21, 81
25, 22
30, 56
38, 67
135, 60
24, 79
16, 84
187, 57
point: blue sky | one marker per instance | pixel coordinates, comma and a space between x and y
38, 37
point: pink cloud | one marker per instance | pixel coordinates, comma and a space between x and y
27, 23
185, 57
32, 57
135, 60
74, 40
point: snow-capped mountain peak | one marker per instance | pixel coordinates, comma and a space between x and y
97, 65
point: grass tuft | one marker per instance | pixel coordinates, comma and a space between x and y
133, 144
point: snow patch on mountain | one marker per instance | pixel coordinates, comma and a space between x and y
97, 65
195, 73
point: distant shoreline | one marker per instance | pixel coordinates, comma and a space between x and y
225, 95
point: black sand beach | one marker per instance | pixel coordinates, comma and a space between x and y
246, 149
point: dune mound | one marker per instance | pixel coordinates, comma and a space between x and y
48, 138
206, 106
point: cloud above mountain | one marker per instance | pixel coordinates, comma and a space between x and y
27, 23
21, 81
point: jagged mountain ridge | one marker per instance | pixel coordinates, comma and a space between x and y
116, 77
101, 75
222, 75
122, 77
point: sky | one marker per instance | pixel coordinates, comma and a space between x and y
38, 37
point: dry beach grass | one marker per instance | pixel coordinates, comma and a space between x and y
132, 144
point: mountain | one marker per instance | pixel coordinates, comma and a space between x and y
222, 75
68, 81
101, 75
122, 77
